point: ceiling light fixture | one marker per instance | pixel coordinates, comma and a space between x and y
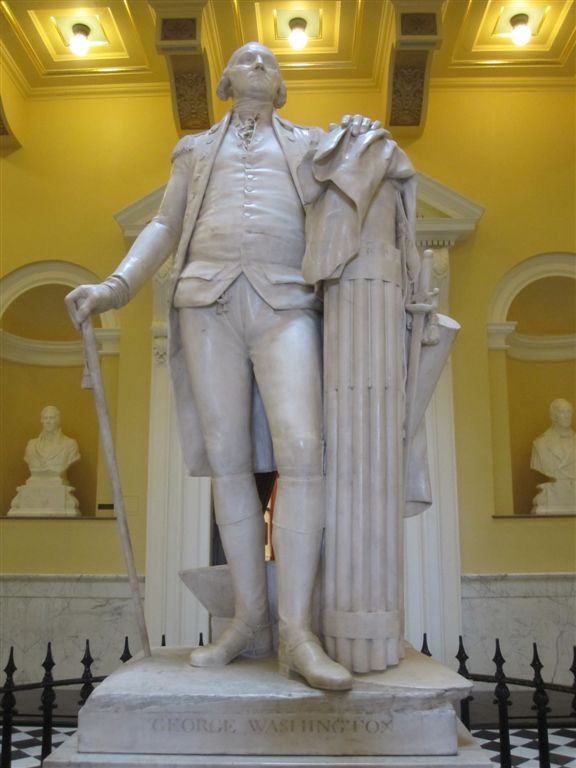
521, 32
79, 44
298, 36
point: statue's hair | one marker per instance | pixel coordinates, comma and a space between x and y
224, 89
558, 403
49, 408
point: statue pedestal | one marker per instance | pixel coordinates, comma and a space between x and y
556, 498
159, 711
44, 497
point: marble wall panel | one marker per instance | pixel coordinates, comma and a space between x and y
65, 610
520, 609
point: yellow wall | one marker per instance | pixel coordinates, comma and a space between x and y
512, 151
83, 160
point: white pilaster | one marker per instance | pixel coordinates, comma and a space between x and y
432, 551
179, 507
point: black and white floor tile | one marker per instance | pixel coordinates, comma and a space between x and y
524, 746
27, 746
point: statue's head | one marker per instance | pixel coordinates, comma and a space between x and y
561, 412
50, 418
253, 71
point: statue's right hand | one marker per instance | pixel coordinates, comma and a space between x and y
87, 300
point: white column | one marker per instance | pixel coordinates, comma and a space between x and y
179, 506
432, 550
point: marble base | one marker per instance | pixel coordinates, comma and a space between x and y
470, 755
44, 497
36, 609
520, 609
162, 705
553, 510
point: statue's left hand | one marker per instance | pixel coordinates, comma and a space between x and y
357, 124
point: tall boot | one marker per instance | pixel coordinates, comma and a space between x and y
241, 524
297, 540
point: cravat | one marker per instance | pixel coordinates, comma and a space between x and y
245, 131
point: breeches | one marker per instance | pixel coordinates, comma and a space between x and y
240, 339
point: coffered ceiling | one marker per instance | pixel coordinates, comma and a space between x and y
398, 46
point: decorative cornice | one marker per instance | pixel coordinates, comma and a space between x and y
58, 354
519, 346
110, 90
12, 70
542, 348
498, 334
135, 216
511, 83
452, 204
443, 233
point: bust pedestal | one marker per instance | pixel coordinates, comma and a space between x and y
44, 496
159, 711
556, 498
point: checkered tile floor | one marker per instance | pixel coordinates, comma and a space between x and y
27, 742
524, 744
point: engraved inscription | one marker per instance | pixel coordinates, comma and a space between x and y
193, 725
318, 726
271, 726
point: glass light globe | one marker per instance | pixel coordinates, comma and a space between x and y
521, 34
79, 44
298, 38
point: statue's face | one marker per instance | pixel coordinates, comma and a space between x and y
253, 72
50, 419
562, 413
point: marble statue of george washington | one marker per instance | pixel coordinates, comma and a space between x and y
246, 350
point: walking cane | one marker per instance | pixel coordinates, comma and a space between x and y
93, 380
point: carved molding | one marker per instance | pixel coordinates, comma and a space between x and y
191, 101
178, 25
408, 88
59, 354
40, 273
528, 271
8, 141
418, 24
542, 348
520, 346
178, 29
418, 33
498, 334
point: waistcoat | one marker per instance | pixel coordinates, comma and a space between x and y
251, 210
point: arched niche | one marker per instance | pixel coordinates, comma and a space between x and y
42, 362
532, 343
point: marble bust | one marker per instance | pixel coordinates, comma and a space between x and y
554, 455
46, 492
